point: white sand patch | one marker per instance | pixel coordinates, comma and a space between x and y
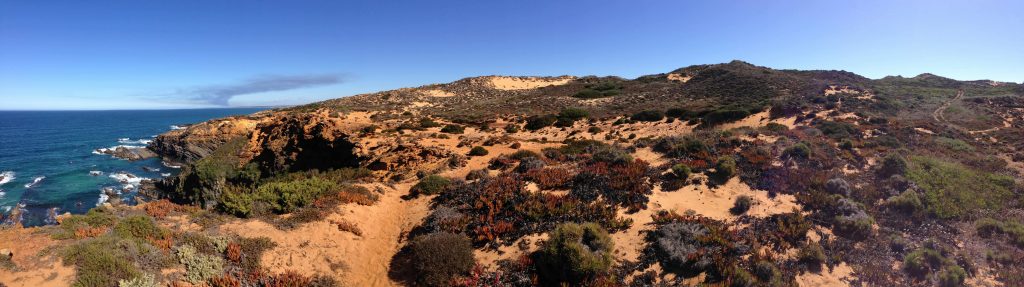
715, 203
678, 77
840, 275
525, 83
755, 120
924, 131
438, 93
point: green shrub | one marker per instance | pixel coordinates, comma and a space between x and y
892, 164
648, 116
725, 169
799, 150
952, 276
511, 128
252, 249
594, 130
569, 116
453, 129
954, 144
838, 130
952, 190
198, 267
742, 204
741, 278
680, 113
775, 127
575, 253
285, 197
811, 254
907, 202
99, 264
440, 257
767, 272
601, 90
431, 184
478, 151
539, 122
681, 171
97, 217
1014, 230
722, 116
139, 227
428, 123
146, 280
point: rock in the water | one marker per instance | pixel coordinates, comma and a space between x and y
128, 153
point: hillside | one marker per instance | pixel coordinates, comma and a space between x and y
727, 174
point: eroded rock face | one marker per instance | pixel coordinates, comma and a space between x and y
199, 140
305, 141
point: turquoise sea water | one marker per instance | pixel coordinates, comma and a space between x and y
49, 165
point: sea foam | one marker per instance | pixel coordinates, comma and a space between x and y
35, 182
6, 177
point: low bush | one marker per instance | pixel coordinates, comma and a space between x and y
439, 257
681, 171
252, 249
907, 202
775, 127
690, 245
952, 190
768, 273
892, 164
722, 116
453, 129
988, 227
648, 116
146, 280
98, 264
430, 185
797, 151
742, 204
838, 186
139, 227
198, 267
427, 123
478, 151
594, 130
569, 116
91, 224
925, 260
539, 122
852, 221
725, 169
602, 90
838, 130
575, 253
812, 255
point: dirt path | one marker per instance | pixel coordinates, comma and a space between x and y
320, 248
938, 114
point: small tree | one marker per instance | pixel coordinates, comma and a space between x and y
439, 257
575, 253
478, 151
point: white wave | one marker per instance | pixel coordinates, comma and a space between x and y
126, 178
6, 177
7, 208
130, 141
103, 198
171, 165
177, 127
109, 150
35, 182
165, 174
95, 173
2, 193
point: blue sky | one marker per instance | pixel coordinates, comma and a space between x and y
186, 54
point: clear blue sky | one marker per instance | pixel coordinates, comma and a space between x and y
173, 54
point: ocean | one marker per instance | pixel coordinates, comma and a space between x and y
49, 164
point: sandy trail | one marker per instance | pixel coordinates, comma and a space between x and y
320, 248
938, 113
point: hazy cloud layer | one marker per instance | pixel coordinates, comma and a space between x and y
220, 94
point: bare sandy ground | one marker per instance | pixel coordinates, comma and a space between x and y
35, 266
523, 83
321, 248
678, 77
837, 276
